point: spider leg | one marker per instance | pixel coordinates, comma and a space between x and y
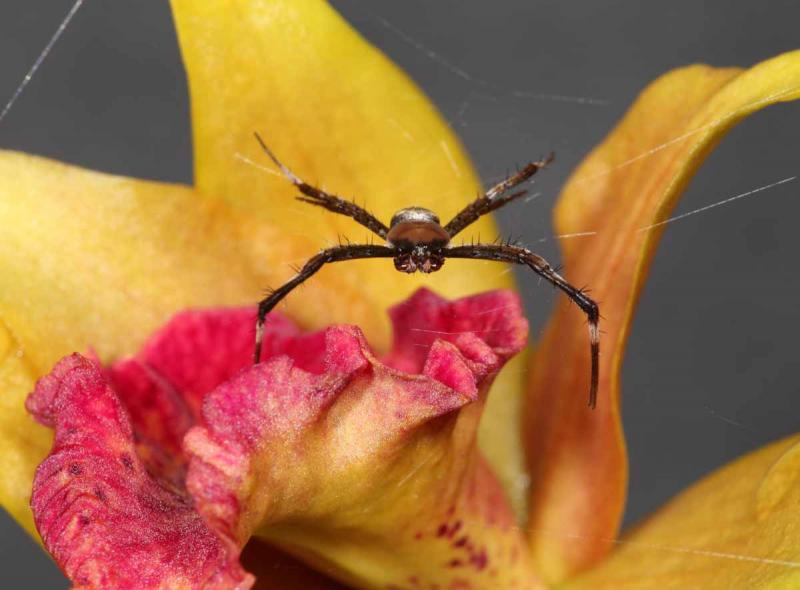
315, 196
519, 255
492, 200
336, 254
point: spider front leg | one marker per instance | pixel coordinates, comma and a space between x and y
519, 255
339, 253
492, 199
315, 196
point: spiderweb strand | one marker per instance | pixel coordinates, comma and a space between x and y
29, 76
717, 204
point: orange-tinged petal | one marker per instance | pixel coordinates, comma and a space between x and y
631, 181
737, 528
342, 116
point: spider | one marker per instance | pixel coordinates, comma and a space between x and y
417, 242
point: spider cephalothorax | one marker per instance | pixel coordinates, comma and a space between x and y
417, 242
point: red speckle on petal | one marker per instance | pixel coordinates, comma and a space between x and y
461, 542
479, 559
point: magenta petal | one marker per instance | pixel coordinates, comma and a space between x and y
320, 448
487, 328
370, 467
105, 519
196, 351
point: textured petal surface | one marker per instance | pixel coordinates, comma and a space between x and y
24, 441
341, 116
96, 261
364, 468
631, 181
107, 520
161, 389
738, 528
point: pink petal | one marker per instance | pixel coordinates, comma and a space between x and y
321, 446
372, 471
105, 519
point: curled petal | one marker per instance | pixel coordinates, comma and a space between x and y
164, 384
736, 528
155, 248
106, 520
361, 467
621, 192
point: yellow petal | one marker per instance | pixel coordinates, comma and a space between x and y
738, 528
24, 441
91, 260
341, 116
94, 260
631, 181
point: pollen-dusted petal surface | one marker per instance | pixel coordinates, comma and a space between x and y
366, 468
737, 528
342, 116
630, 182
108, 521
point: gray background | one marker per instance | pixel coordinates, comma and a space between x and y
711, 370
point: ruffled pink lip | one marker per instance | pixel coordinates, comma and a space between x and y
110, 501
488, 329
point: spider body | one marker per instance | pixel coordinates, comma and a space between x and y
419, 239
417, 242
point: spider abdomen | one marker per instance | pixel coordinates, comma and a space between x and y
416, 225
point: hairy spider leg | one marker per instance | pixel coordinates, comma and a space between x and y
330, 202
519, 255
339, 253
489, 201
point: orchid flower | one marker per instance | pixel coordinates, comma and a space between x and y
144, 450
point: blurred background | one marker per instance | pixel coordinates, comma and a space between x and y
711, 370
